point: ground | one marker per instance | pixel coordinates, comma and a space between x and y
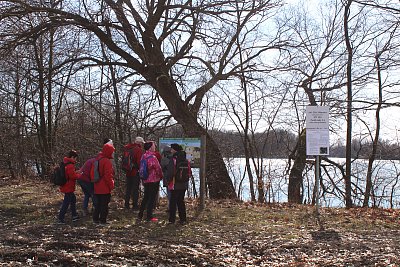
226, 233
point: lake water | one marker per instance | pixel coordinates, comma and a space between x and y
386, 184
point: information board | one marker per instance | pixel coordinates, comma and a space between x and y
192, 147
317, 130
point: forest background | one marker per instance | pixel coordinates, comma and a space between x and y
239, 72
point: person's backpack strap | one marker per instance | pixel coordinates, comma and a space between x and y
134, 162
65, 165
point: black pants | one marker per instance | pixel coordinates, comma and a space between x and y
101, 209
132, 189
149, 198
177, 200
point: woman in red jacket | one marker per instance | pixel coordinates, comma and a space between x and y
105, 184
69, 188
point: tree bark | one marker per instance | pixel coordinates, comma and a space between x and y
296, 174
347, 177
368, 186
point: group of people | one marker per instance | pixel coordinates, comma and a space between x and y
96, 178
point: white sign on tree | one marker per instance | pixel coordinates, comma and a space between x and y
317, 130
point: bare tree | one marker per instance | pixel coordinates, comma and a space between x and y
159, 38
314, 61
349, 112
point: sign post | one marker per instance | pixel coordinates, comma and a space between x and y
317, 139
202, 172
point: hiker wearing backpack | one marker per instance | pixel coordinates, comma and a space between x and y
102, 174
151, 174
132, 153
178, 173
87, 185
69, 187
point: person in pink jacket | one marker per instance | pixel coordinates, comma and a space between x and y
69, 188
104, 186
152, 182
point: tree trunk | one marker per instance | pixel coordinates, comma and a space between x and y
347, 177
248, 167
296, 174
368, 186
42, 124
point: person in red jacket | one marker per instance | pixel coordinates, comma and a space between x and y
132, 176
104, 186
86, 184
69, 188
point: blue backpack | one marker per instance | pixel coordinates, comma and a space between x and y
143, 169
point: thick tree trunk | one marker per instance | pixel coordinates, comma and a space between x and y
218, 181
296, 173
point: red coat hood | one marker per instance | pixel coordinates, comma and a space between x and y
108, 151
69, 160
132, 145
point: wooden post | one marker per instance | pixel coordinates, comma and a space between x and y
317, 176
202, 172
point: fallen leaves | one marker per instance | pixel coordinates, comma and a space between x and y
225, 234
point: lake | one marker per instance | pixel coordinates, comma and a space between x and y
385, 178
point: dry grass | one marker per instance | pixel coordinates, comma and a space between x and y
226, 233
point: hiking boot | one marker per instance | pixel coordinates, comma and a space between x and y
140, 216
60, 222
75, 218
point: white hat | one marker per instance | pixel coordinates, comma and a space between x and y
110, 142
139, 140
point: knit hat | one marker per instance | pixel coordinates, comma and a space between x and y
72, 153
176, 147
139, 140
147, 145
166, 150
107, 141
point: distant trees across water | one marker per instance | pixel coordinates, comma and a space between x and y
281, 143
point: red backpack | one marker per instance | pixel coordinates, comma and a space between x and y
128, 161
86, 170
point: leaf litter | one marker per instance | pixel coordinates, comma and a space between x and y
226, 233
